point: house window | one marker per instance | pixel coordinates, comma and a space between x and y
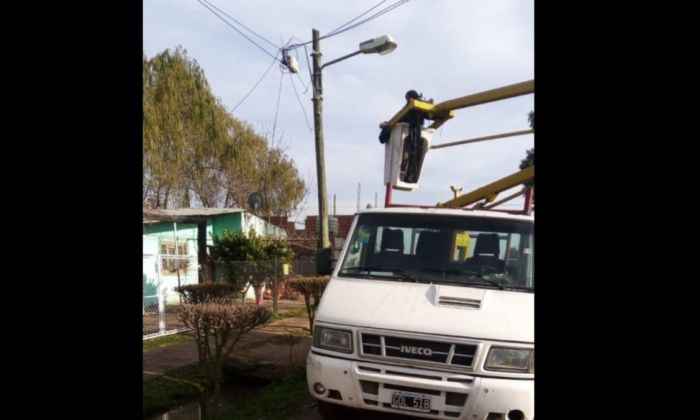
172, 261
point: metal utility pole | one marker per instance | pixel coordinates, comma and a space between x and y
323, 238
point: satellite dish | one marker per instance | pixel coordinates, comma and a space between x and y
255, 201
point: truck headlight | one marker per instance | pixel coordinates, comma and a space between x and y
332, 339
510, 360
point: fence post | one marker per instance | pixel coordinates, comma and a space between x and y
274, 288
161, 307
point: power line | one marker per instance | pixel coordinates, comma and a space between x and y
308, 64
352, 20
236, 29
305, 85
300, 103
374, 16
306, 54
233, 19
277, 107
256, 84
338, 30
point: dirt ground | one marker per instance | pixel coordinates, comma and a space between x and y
279, 344
270, 348
172, 322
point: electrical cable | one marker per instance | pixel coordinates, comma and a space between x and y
338, 30
256, 84
233, 19
352, 20
300, 104
277, 107
374, 16
236, 29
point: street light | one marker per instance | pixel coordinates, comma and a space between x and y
381, 45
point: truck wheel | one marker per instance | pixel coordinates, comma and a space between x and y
330, 411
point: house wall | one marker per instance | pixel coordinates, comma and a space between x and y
155, 233
166, 229
261, 227
150, 244
216, 225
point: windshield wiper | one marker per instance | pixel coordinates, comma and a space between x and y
520, 287
472, 275
396, 272
450, 271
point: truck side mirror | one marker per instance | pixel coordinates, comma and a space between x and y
323, 262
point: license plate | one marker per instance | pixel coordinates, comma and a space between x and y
410, 401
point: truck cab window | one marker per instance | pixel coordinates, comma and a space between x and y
474, 252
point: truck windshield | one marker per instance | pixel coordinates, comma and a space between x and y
468, 251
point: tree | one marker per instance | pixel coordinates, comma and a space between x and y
529, 159
218, 324
278, 252
196, 152
281, 186
237, 253
530, 156
175, 94
312, 288
251, 260
268, 171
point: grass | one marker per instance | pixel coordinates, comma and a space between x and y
288, 314
154, 343
174, 386
280, 400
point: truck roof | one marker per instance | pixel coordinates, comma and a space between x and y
450, 212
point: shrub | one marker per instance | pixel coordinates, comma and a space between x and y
311, 288
218, 324
287, 292
198, 293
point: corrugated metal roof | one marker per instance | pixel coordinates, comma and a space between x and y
150, 215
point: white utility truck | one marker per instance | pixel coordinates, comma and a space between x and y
429, 312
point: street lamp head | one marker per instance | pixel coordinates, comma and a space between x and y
382, 45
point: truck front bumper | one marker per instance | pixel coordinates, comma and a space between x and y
373, 386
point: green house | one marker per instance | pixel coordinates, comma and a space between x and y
170, 252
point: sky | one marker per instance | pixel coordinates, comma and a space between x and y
446, 49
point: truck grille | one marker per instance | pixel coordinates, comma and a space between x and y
378, 385
431, 351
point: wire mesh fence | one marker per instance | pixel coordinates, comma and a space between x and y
161, 275
257, 280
